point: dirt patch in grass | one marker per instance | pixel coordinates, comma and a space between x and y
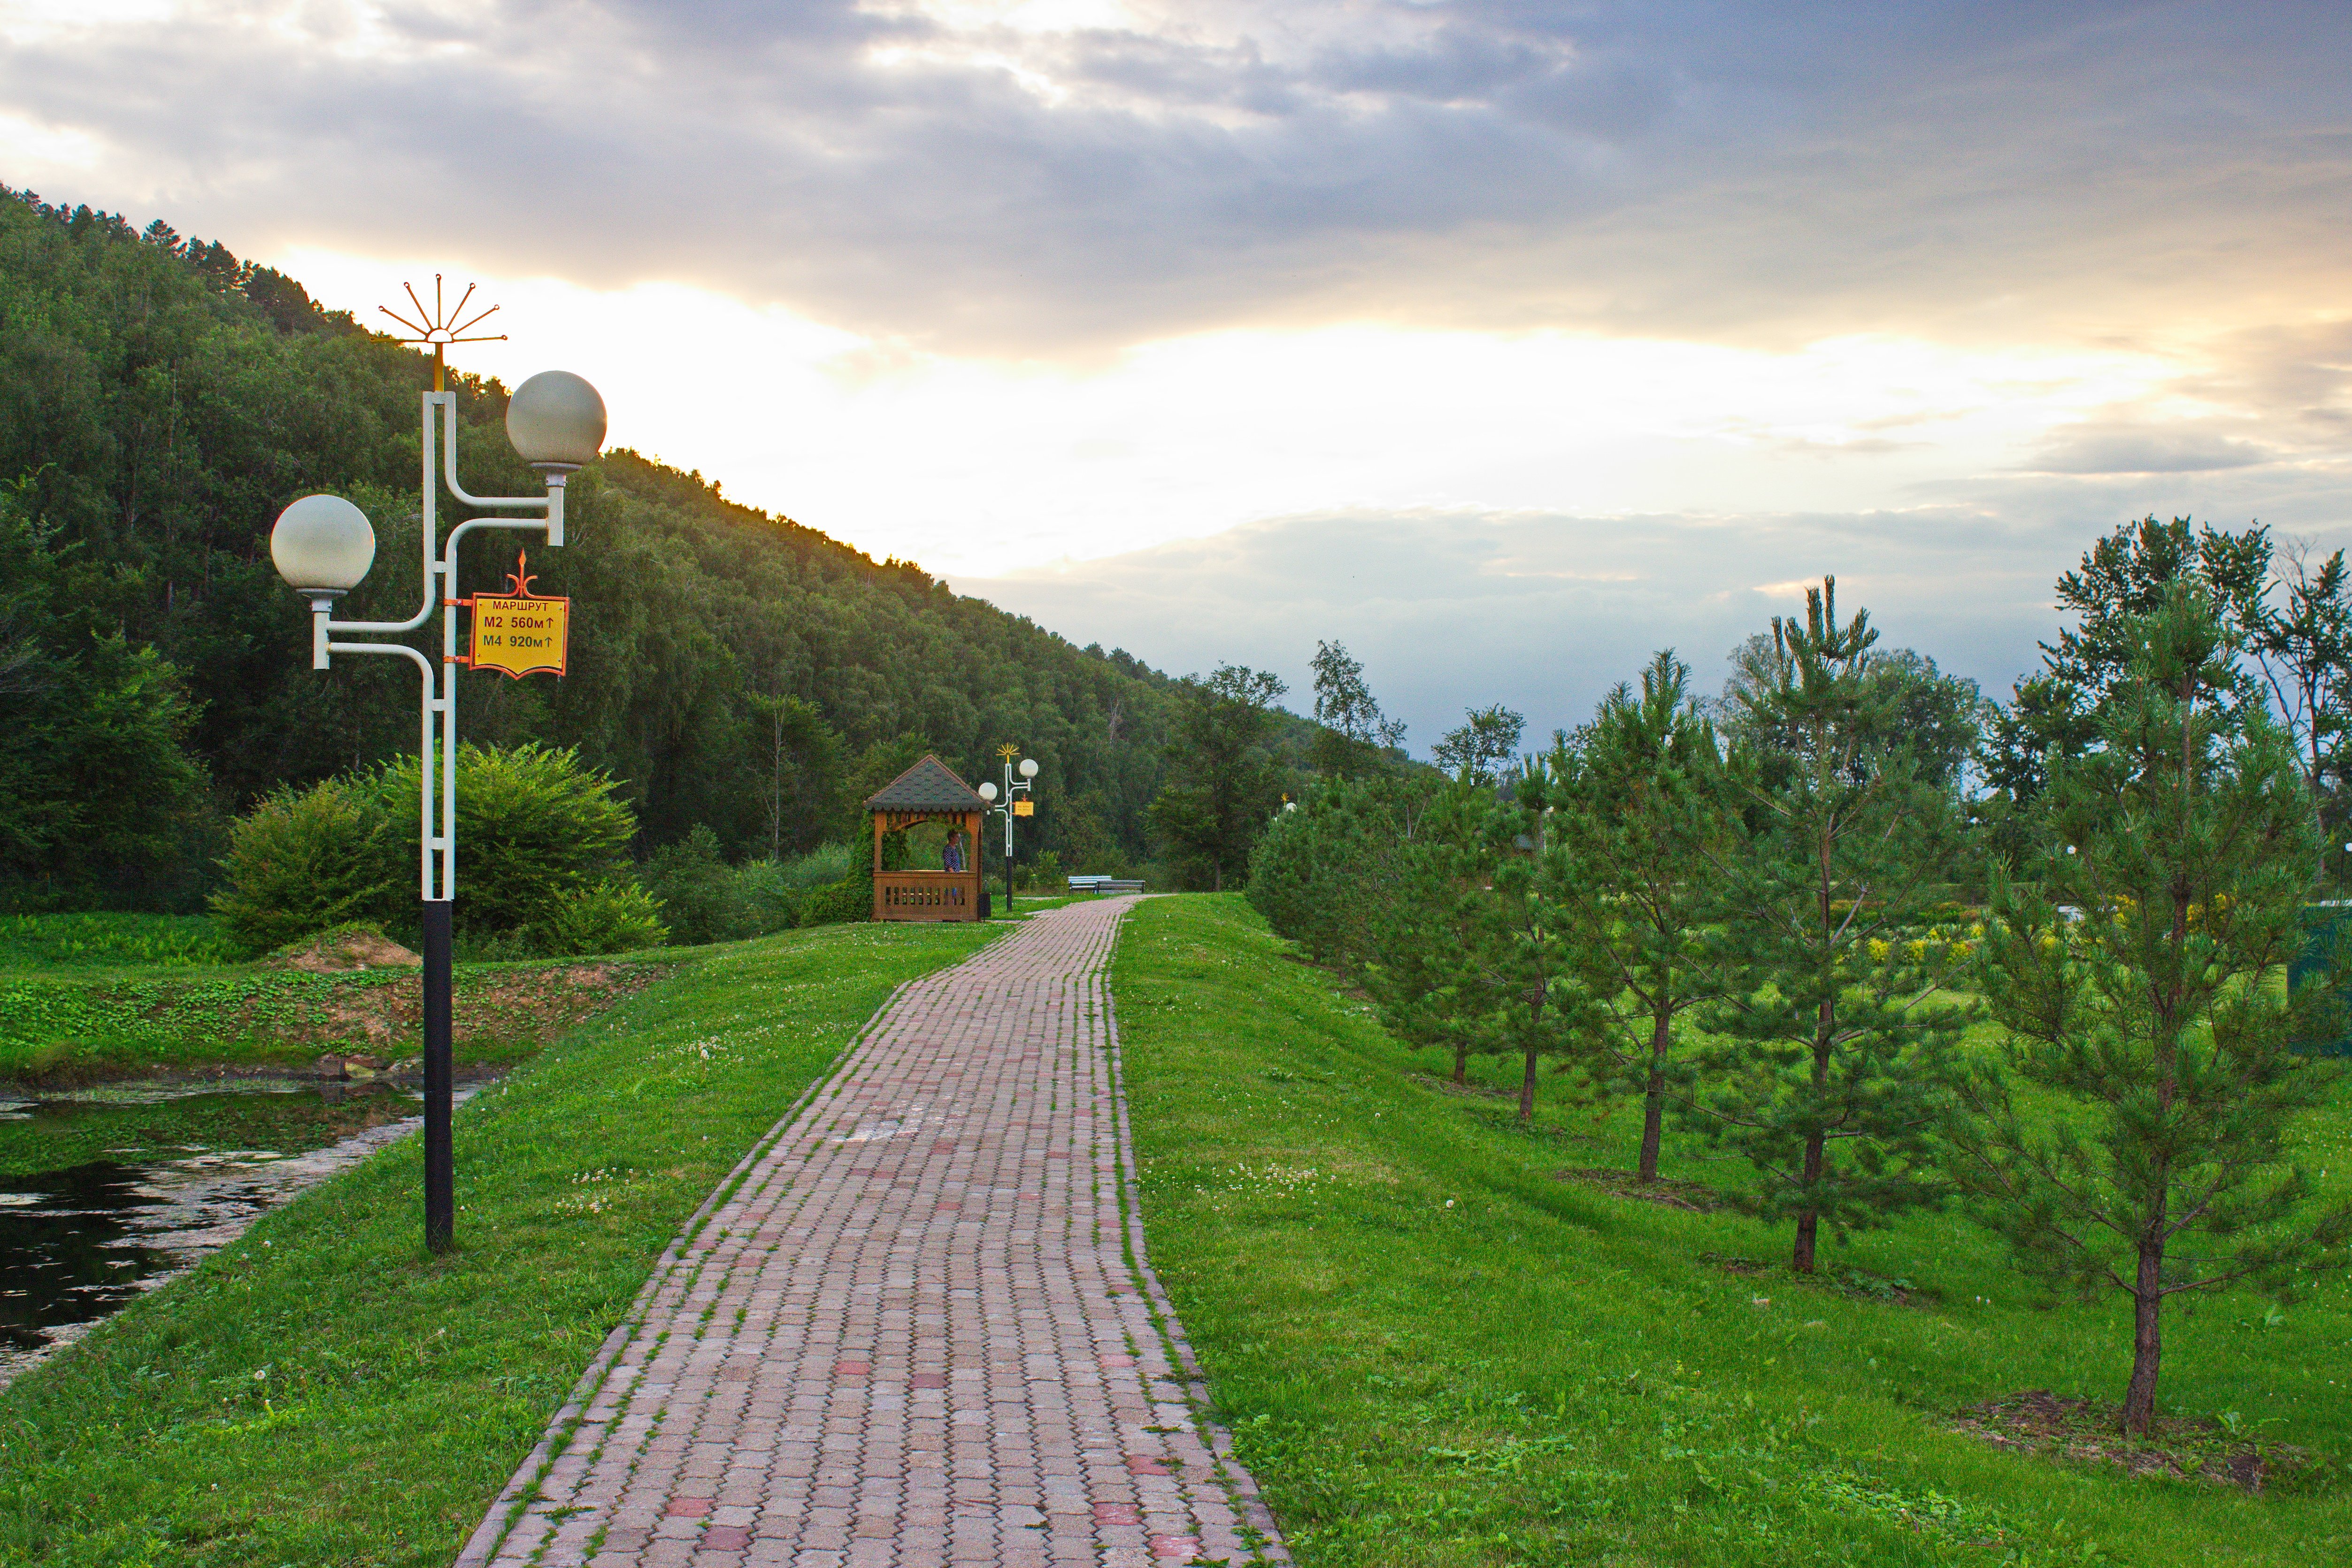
1855, 1284
2186, 1447
1464, 1090
536, 1004
1691, 1198
342, 950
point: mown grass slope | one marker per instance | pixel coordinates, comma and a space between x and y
1434, 1352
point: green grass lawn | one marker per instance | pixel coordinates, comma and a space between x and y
324, 1392
1433, 1351
84, 941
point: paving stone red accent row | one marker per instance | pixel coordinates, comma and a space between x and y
916, 1328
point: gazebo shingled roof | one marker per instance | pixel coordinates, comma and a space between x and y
929, 786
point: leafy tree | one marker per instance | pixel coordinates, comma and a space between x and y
801, 775
1354, 733
2122, 577
1222, 784
100, 797
1641, 819
1487, 738
699, 895
1833, 1072
2303, 649
2187, 845
1936, 718
2130, 573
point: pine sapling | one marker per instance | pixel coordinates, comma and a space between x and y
1834, 1064
1641, 813
2152, 1006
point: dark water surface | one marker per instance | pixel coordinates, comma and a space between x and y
106, 1194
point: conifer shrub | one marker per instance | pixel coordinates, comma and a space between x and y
303, 860
839, 903
616, 915
538, 833
703, 897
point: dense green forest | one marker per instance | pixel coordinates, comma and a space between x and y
160, 400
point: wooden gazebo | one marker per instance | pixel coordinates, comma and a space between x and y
929, 791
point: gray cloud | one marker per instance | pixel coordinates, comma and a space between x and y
1732, 169
1545, 612
2144, 451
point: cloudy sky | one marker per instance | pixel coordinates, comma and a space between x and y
1503, 340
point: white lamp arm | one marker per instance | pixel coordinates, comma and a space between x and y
449, 463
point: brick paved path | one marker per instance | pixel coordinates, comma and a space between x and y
915, 1328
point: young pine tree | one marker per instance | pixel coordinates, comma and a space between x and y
1474, 956
1640, 811
1834, 1068
1422, 960
2185, 837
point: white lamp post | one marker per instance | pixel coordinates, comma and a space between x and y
322, 546
988, 792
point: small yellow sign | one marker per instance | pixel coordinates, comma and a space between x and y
1024, 808
518, 633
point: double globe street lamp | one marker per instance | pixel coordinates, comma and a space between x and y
1011, 808
323, 545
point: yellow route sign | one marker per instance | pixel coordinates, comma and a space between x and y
518, 633
1024, 808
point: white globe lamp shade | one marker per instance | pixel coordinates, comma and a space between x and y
322, 545
1028, 767
556, 421
988, 792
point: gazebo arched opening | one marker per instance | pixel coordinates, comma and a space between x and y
928, 792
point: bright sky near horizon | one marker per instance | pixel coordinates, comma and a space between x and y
1502, 340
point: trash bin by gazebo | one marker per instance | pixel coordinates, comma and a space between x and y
928, 791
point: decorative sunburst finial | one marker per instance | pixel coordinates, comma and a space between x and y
1008, 751
440, 328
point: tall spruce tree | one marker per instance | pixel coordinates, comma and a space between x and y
2184, 839
1834, 1066
1640, 811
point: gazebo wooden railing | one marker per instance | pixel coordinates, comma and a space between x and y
928, 791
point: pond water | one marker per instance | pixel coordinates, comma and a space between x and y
106, 1194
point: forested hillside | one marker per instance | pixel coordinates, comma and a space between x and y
160, 400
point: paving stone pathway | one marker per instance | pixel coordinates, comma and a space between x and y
915, 1327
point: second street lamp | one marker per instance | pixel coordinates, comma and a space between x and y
1011, 807
322, 545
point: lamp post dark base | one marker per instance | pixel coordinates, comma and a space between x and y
440, 1186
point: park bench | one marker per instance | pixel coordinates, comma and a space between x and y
1101, 886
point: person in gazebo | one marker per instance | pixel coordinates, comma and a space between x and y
952, 853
